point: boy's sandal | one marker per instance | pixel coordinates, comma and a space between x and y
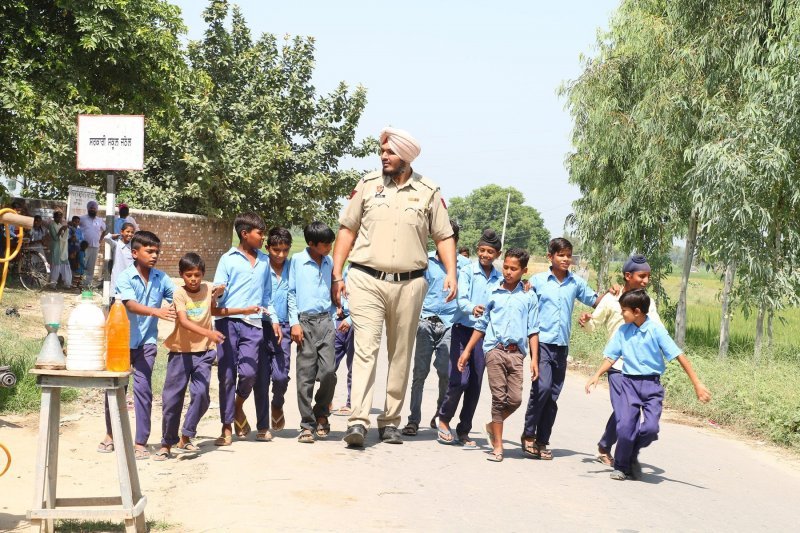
411, 429
161, 455
619, 475
433, 422
264, 435
188, 447
105, 447
465, 442
495, 457
444, 436
141, 455
223, 440
529, 447
306, 437
242, 428
604, 457
278, 423
344, 410
323, 427
544, 453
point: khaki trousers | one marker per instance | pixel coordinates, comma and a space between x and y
371, 302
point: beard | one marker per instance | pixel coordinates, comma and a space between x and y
92, 214
399, 171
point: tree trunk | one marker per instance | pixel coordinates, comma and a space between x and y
605, 259
769, 329
725, 324
757, 345
680, 314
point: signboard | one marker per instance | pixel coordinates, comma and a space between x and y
110, 142
77, 200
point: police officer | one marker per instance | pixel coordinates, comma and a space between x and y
387, 223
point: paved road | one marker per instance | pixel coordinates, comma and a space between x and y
695, 479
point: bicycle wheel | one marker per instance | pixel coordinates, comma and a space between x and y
34, 272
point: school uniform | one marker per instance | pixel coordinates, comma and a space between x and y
608, 314
433, 335
188, 364
246, 285
473, 285
343, 342
645, 349
144, 339
556, 300
510, 318
275, 359
310, 306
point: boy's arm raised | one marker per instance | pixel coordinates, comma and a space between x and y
703, 394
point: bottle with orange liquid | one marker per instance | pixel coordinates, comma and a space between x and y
118, 338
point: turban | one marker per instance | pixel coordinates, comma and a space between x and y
91, 204
636, 263
123, 206
402, 143
489, 238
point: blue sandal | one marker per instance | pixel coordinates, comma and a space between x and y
442, 435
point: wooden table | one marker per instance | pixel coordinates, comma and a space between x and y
129, 506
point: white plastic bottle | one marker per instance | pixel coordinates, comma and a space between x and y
86, 336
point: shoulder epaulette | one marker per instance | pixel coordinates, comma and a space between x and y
427, 182
372, 175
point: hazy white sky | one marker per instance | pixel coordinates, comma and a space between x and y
475, 82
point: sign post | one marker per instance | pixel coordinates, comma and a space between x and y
110, 142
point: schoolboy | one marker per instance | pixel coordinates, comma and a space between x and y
243, 272
142, 288
75, 238
473, 283
557, 290
433, 336
608, 313
509, 327
310, 312
192, 348
645, 345
121, 246
344, 346
275, 360
80, 259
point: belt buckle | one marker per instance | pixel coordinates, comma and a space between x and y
389, 276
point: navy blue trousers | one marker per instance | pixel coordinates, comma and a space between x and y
542, 407
467, 382
615, 392
637, 417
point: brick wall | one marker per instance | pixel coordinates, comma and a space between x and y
179, 233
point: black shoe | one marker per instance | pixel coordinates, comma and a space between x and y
355, 436
390, 435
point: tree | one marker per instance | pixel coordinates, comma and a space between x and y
63, 58
485, 207
251, 132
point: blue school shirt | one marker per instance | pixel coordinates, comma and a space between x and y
245, 285
556, 301
473, 285
280, 293
309, 286
644, 348
434, 303
131, 286
511, 317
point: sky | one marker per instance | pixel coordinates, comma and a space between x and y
475, 82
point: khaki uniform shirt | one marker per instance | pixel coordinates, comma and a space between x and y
197, 306
392, 223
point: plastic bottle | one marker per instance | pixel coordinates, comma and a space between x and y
118, 338
86, 336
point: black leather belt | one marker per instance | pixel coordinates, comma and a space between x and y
389, 276
513, 348
433, 318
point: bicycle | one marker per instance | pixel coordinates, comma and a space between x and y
34, 270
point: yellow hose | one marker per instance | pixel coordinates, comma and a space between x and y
8, 257
8, 464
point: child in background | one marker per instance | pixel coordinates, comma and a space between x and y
509, 326
77, 275
644, 345
142, 288
557, 290
275, 359
192, 349
243, 272
59, 251
473, 282
344, 346
121, 252
609, 314
310, 311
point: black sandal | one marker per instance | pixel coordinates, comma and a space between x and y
411, 429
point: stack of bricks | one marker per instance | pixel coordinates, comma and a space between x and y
179, 233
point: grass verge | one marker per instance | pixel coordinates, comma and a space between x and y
85, 526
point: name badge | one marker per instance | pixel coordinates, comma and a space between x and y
379, 191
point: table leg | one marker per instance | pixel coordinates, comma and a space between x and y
52, 452
41, 457
126, 462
